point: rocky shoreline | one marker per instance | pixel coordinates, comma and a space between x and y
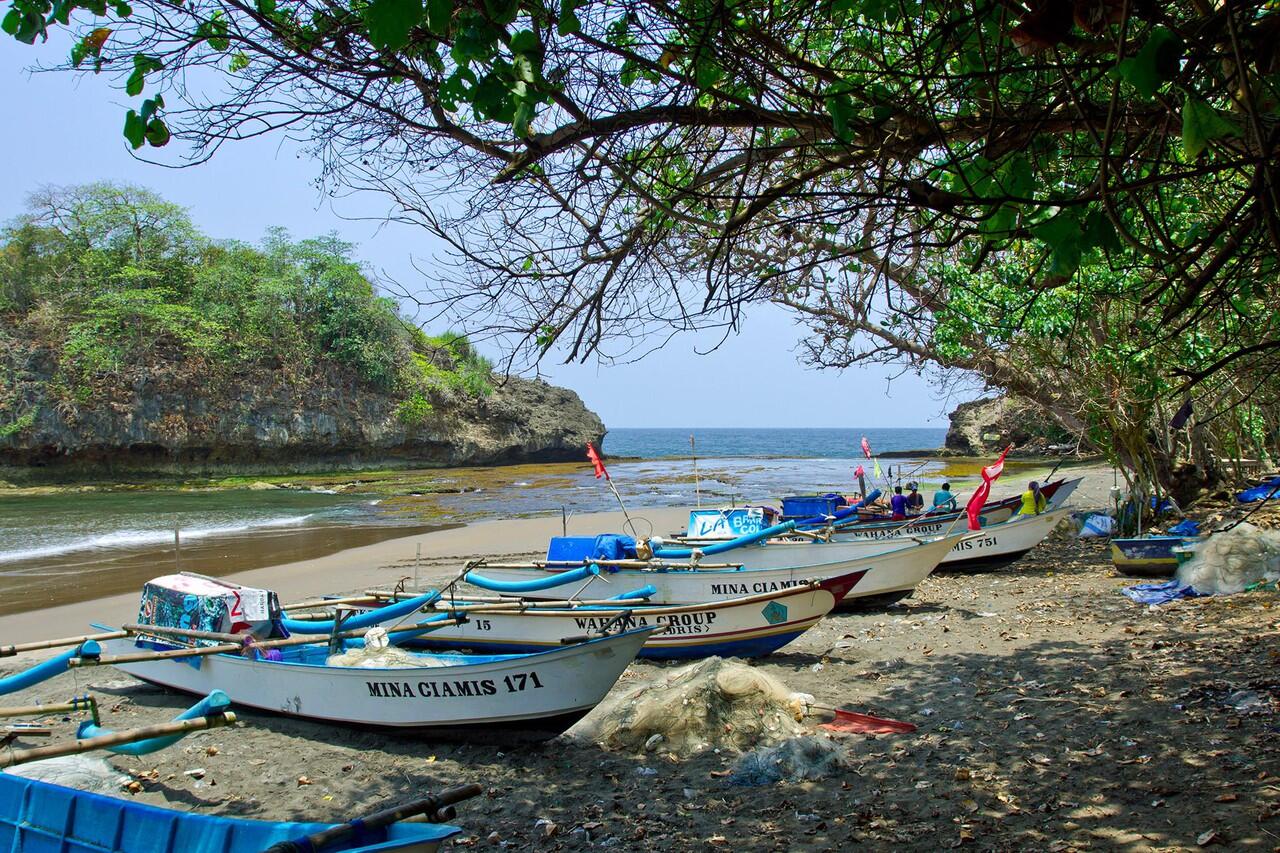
162, 426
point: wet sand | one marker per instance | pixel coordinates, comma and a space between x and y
41, 584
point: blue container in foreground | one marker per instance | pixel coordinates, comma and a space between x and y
36, 817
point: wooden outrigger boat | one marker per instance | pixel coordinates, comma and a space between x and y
1056, 493
36, 817
1000, 545
199, 634
528, 697
751, 626
1148, 556
890, 574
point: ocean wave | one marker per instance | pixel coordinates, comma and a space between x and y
139, 538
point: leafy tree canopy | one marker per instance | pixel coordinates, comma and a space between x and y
114, 279
934, 182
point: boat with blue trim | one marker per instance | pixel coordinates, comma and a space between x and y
1148, 556
751, 626
501, 696
36, 817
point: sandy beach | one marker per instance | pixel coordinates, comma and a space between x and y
1053, 714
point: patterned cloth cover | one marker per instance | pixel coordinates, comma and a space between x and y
205, 604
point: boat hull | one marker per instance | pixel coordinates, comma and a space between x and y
897, 570
745, 627
505, 697
1147, 557
38, 816
1003, 544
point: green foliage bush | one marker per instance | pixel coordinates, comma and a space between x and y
21, 424
119, 278
414, 410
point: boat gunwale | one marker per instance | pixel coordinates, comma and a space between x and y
808, 586
492, 660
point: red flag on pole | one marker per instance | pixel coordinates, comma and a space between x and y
859, 471
989, 475
596, 463
866, 447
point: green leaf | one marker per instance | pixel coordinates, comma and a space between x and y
569, 23
1155, 63
525, 41
1201, 124
999, 223
390, 21
135, 130
266, 8
157, 133
1100, 232
840, 106
502, 11
239, 62
1017, 177
439, 15
1062, 235
707, 73
11, 22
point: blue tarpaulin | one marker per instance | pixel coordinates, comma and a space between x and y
1161, 593
1262, 492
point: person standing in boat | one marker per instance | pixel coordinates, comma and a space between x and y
915, 500
943, 500
898, 503
1033, 500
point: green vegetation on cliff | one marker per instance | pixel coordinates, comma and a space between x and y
109, 278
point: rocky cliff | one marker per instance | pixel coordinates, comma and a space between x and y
166, 416
984, 427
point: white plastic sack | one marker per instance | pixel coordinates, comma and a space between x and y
1096, 526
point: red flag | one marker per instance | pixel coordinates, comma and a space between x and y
989, 475
859, 471
866, 447
596, 463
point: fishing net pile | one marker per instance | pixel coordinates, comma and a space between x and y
800, 759
715, 703
1229, 561
378, 653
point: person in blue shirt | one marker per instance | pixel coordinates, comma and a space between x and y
899, 504
943, 500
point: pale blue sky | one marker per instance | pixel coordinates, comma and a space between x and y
66, 130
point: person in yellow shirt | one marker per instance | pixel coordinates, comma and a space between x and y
1033, 500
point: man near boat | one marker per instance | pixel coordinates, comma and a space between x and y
944, 500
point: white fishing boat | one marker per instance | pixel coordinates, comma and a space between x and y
1002, 544
891, 572
749, 626
526, 696
516, 696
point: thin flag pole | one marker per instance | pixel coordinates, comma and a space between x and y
601, 471
614, 489
697, 481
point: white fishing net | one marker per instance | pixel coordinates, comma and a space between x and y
83, 772
714, 703
378, 653
1229, 561
800, 759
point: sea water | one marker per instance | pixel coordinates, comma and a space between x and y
69, 545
